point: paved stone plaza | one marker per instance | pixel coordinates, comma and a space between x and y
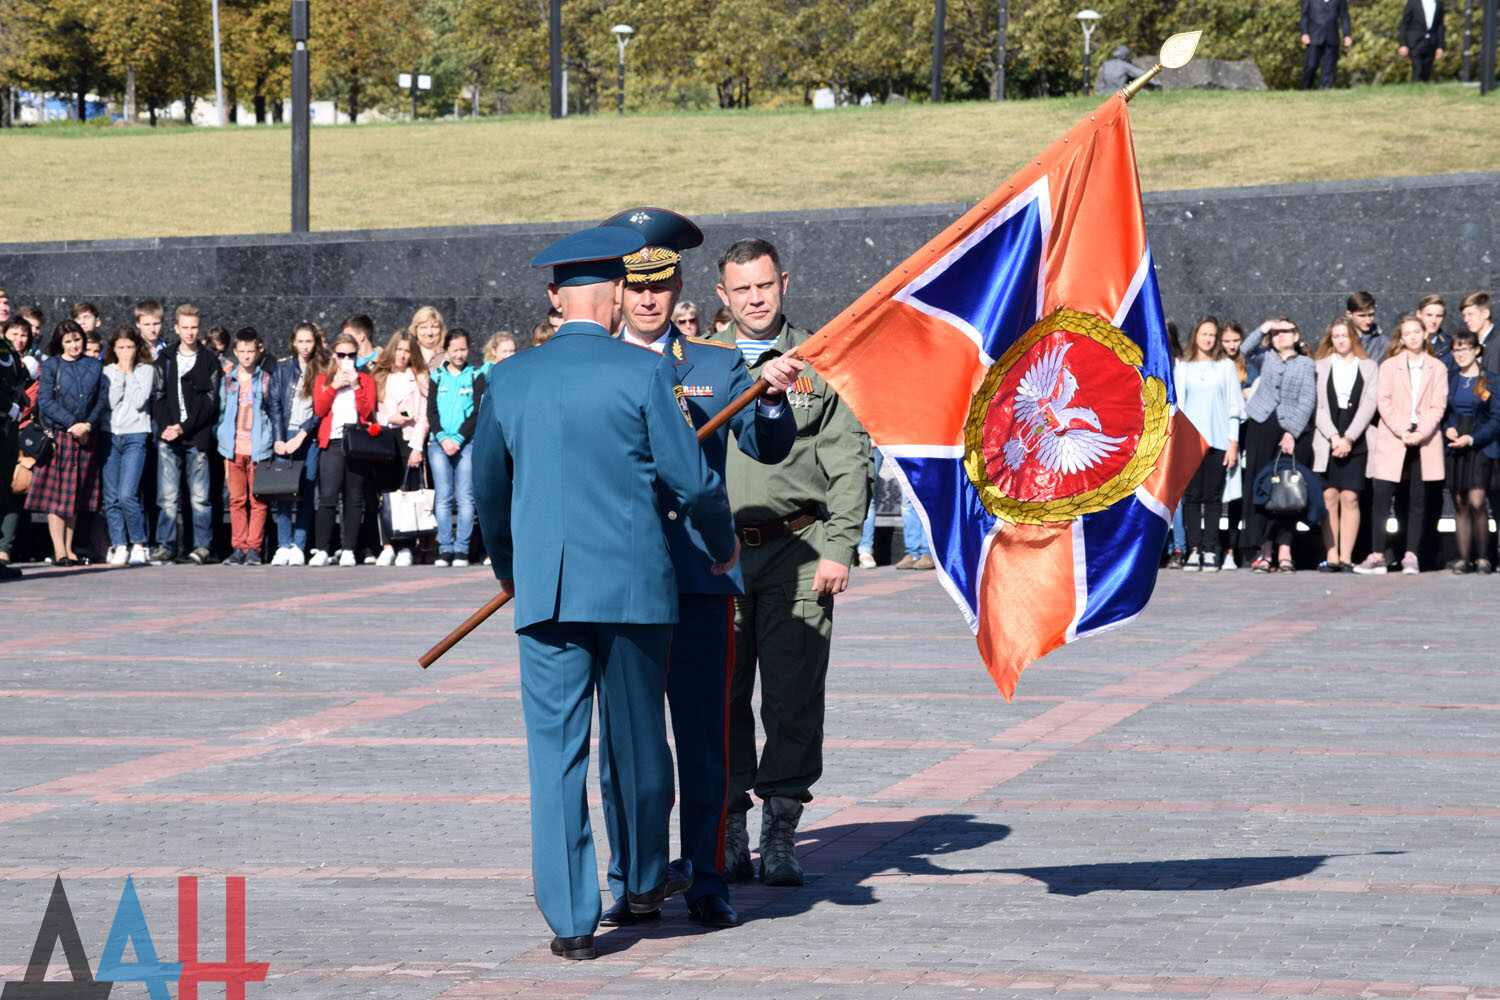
1267, 787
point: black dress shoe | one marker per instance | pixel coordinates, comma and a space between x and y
713, 911
679, 879
619, 915
577, 948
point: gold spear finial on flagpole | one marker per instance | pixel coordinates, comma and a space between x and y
1176, 52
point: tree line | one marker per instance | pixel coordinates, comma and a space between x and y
490, 56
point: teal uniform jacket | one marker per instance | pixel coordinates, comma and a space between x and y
572, 441
712, 376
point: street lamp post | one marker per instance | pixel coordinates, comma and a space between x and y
1487, 47
1463, 73
939, 16
300, 115
1000, 56
1088, 20
555, 59
218, 70
622, 33
414, 82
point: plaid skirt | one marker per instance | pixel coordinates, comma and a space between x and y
67, 485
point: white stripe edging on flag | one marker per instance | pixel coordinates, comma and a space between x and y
920, 451
893, 452
1107, 628
1039, 193
984, 559
1080, 578
1152, 504
1127, 301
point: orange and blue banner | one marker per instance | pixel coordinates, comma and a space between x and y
1016, 373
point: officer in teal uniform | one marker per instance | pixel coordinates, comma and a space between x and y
573, 440
711, 376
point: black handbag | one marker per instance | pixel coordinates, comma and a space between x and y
36, 438
36, 442
278, 481
1288, 489
362, 446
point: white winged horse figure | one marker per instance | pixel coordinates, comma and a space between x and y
1065, 438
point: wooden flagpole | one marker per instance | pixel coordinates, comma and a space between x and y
502, 599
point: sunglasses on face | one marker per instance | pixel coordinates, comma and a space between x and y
342, 354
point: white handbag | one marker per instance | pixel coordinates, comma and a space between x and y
411, 512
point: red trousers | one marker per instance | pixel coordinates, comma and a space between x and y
247, 515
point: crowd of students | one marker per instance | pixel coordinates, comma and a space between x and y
1368, 423
115, 423
123, 420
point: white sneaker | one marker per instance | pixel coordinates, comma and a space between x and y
1193, 563
1229, 562
460, 561
387, 557
403, 558
138, 555
318, 558
867, 560
279, 559
486, 560
441, 561
346, 558
294, 556
369, 559
1210, 562
117, 555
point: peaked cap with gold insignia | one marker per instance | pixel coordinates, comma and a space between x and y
666, 235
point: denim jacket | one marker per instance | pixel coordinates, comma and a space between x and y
283, 392
229, 406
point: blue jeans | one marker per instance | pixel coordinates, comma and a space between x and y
124, 460
172, 457
867, 535
453, 477
1179, 531
294, 518
911, 530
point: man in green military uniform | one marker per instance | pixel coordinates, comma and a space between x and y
10, 411
799, 523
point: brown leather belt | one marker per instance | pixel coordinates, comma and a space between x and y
762, 532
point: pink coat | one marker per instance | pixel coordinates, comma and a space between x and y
406, 390
1387, 453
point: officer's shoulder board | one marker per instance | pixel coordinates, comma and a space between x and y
710, 343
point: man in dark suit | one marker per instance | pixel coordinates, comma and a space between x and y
1321, 21
1421, 36
1475, 310
711, 376
572, 443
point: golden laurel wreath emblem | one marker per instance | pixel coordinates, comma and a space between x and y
1153, 437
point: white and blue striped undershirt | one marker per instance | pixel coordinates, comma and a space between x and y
753, 349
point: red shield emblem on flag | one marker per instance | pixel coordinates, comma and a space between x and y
1064, 423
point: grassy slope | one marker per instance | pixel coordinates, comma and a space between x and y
80, 182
